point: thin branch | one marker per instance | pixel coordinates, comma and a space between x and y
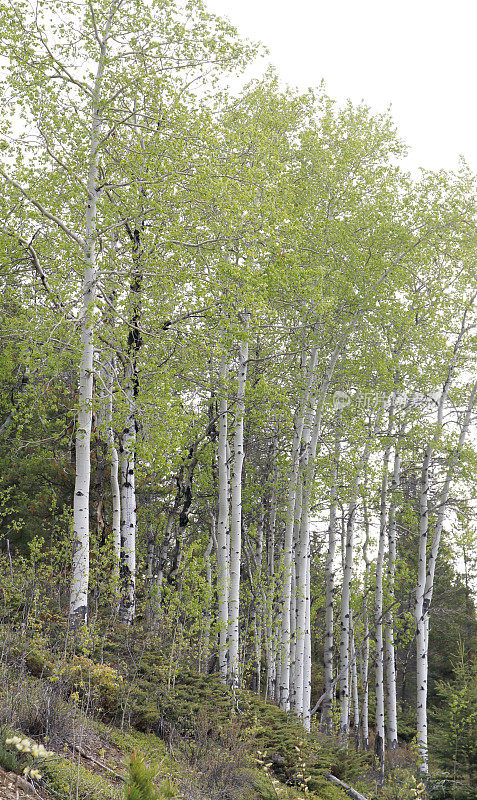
52, 217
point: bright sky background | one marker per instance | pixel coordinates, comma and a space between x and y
420, 57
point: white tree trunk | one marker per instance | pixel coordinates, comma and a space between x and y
261, 609
115, 492
223, 526
307, 664
379, 740
421, 654
128, 519
365, 646
345, 617
391, 700
297, 652
236, 516
354, 684
327, 707
78, 610
310, 437
426, 571
284, 688
345, 597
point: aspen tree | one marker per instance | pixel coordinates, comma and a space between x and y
379, 746
299, 422
426, 566
390, 659
236, 512
75, 76
114, 477
326, 712
223, 523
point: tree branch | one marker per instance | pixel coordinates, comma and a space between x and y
52, 217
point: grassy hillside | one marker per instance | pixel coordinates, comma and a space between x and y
201, 740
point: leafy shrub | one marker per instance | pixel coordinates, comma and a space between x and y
84, 676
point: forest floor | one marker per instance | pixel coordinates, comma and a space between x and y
202, 741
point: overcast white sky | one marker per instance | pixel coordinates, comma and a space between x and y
420, 57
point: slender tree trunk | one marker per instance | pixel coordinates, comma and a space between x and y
345, 596
391, 697
115, 490
421, 655
236, 516
261, 610
284, 688
223, 526
269, 601
78, 611
128, 521
345, 615
354, 685
379, 740
365, 649
310, 438
301, 558
307, 659
426, 571
327, 707
292, 684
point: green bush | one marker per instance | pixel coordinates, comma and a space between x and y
140, 783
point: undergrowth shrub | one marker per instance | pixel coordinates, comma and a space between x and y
219, 763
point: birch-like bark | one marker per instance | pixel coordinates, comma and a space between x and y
354, 685
269, 601
114, 478
426, 571
310, 438
259, 618
421, 660
345, 597
292, 638
307, 659
327, 707
365, 649
419, 607
127, 448
236, 514
443, 499
390, 658
379, 740
299, 421
78, 609
297, 620
223, 525
127, 570
345, 614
